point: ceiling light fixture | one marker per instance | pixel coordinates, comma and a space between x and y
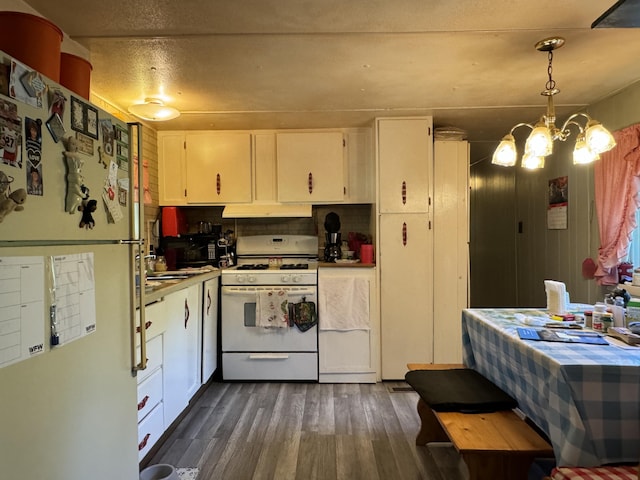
153, 109
593, 139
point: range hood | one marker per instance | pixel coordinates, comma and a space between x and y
272, 210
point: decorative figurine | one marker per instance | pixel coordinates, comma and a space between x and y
12, 203
76, 191
87, 208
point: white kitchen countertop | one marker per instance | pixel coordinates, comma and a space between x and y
167, 287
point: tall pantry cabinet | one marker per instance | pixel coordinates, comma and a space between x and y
415, 325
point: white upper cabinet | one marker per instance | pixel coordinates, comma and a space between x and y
172, 182
310, 167
406, 146
360, 167
218, 167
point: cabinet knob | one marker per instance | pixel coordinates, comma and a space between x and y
208, 301
310, 183
404, 234
186, 313
404, 192
218, 184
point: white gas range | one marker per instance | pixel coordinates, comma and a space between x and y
263, 344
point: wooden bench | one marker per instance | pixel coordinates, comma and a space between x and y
494, 446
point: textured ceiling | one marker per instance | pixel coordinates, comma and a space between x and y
333, 63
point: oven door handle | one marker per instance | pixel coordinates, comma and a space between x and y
268, 356
241, 291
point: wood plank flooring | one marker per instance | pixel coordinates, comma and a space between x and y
305, 431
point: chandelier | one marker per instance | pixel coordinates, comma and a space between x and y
592, 140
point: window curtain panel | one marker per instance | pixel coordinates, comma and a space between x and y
616, 194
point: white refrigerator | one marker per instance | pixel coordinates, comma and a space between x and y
67, 383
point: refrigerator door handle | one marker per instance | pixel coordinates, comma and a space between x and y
137, 252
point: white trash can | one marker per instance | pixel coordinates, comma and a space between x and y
159, 472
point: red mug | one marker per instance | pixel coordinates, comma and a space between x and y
366, 253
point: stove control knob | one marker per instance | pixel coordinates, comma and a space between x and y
252, 279
296, 278
286, 278
240, 278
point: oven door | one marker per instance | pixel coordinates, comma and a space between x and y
239, 330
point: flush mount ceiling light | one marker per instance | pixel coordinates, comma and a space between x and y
592, 140
153, 109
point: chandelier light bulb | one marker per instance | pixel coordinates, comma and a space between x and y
532, 162
506, 154
598, 138
582, 154
540, 142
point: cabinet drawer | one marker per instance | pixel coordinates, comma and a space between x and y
270, 366
154, 357
149, 393
155, 315
149, 430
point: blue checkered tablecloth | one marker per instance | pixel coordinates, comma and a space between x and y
585, 397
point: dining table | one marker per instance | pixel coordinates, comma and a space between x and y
584, 397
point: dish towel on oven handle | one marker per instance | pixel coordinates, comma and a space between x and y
272, 309
343, 304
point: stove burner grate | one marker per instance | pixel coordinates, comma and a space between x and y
258, 266
294, 266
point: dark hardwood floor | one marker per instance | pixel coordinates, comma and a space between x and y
305, 431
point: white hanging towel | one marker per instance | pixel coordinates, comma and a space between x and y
343, 304
556, 297
272, 309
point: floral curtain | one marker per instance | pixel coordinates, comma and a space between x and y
617, 182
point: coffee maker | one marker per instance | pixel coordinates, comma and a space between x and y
333, 238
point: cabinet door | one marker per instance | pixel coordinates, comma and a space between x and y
350, 356
218, 167
310, 167
181, 366
265, 186
406, 298
360, 169
404, 158
210, 328
450, 248
172, 183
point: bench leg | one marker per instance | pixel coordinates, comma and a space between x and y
485, 466
430, 428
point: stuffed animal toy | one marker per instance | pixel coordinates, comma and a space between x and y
73, 162
12, 203
87, 208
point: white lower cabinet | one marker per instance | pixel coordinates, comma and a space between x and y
181, 350
406, 293
210, 328
349, 356
150, 391
150, 429
274, 366
175, 341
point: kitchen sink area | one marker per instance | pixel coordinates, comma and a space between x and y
158, 284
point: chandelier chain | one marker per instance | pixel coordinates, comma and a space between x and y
551, 84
